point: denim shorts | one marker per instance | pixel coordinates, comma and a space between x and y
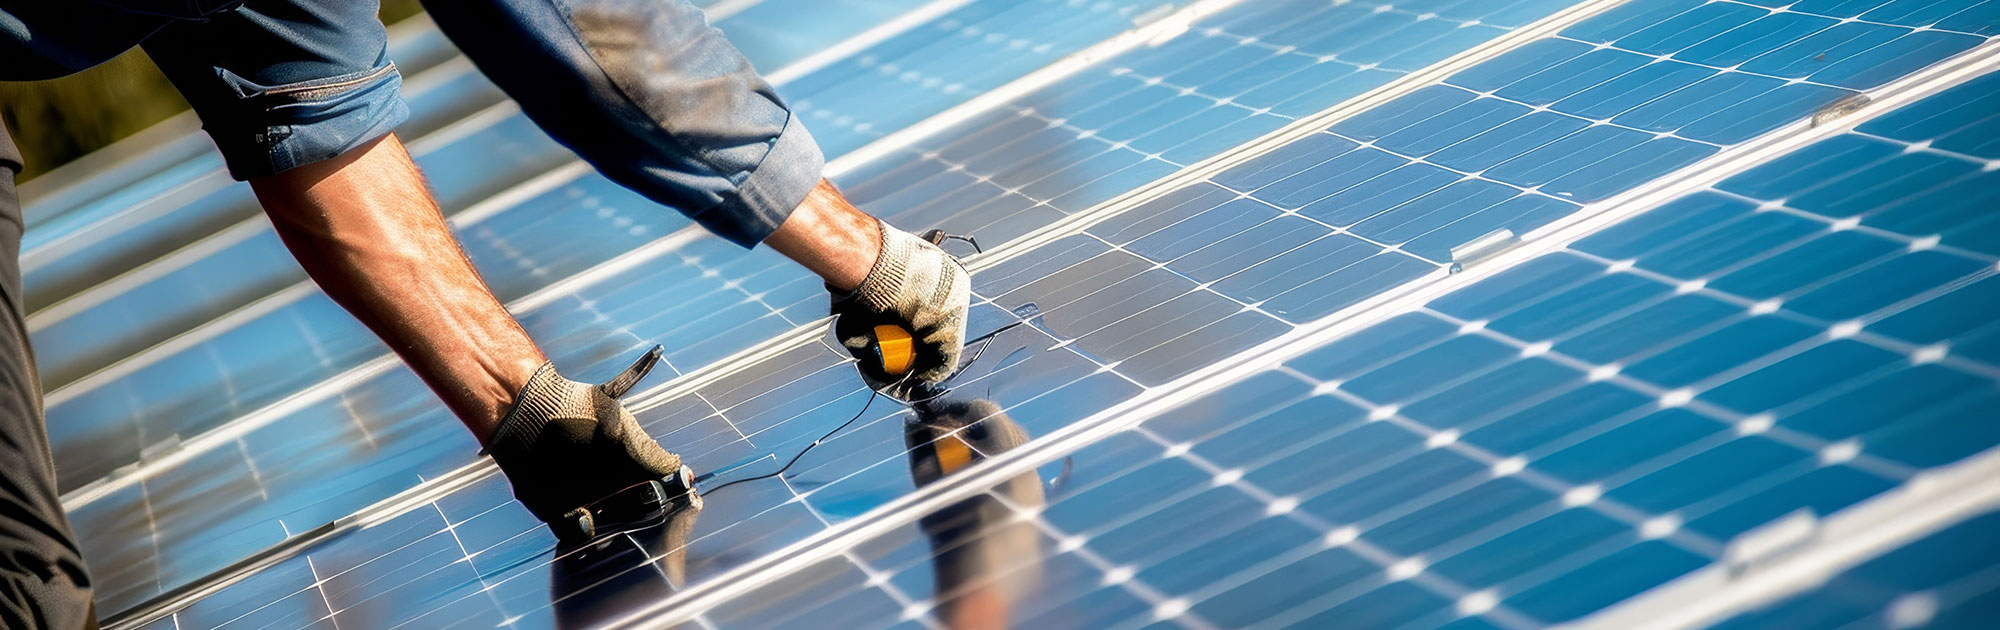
277, 84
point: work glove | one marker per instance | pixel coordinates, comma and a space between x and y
565, 445
918, 287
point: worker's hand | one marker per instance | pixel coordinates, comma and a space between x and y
565, 444
916, 286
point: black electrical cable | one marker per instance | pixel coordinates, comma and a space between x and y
802, 452
936, 237
982, 340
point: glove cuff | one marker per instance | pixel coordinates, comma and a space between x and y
547, 395
882, 290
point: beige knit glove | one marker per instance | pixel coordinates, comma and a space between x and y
566, 444
914, 285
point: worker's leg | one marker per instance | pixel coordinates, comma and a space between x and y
43, 583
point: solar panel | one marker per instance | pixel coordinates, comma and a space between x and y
1945, 580
1529, 449
1474, 464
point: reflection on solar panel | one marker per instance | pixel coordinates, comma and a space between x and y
1252, 391
1946, 580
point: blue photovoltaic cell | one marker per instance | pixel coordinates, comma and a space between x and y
1466, 466
1948, 580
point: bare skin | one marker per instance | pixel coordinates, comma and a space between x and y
368, 232
366, 229
830, 237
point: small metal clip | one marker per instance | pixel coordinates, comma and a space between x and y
1771, 541
1838, 109
1482, 248
938, 237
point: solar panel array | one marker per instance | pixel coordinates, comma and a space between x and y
1532, 448
1526, 450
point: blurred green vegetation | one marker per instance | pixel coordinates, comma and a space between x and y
63, 119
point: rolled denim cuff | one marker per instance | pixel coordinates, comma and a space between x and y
770, 192
270, 130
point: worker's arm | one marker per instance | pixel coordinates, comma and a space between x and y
660, 102
300, 97
366, 229
880, 275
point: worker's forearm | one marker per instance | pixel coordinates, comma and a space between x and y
830, 237
367, 230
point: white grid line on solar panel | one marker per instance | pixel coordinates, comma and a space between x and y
954, 197
1746, 424
451, 528
1645, 525
532, 533
1206, 285
1212, 55
1985, 164
924, 610
1685, 395
927, 71
1657, 59
1859, 18
1738, 69
1854, 328
1914, 243
1517, 466
1395, 567
1114, 575
879, 578
447, 528
1116, 71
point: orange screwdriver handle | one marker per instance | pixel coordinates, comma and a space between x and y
897, 349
